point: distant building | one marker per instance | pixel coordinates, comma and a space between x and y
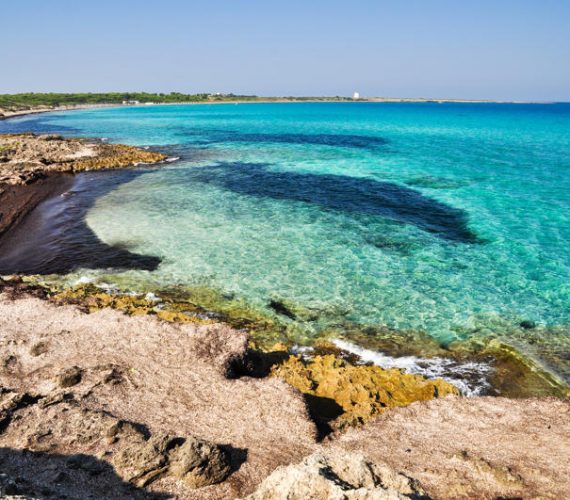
131, 103
356, 95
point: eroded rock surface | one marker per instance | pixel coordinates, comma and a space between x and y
25, 158
163, 410
339, 476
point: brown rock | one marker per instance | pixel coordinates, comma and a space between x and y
197, 462
39, 348
69, 377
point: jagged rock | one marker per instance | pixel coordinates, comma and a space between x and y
343, 476
27, 157
12, 403
142, 462
199, 463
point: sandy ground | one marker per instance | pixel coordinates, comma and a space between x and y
473, 447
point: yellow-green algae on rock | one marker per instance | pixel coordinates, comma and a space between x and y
515, 374
361, 391
178, 304
522, 363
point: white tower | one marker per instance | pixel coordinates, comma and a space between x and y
356, 96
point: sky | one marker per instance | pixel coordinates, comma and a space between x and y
472, 49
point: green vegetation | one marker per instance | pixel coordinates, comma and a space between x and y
16, 102
21, 101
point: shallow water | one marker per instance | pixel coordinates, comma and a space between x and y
453, 219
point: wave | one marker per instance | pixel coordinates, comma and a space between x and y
470, 378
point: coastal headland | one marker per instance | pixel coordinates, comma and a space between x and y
34, 167
147, 396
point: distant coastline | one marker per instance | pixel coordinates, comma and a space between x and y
5, 114
11, 106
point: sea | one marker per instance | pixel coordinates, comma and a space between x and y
450, 219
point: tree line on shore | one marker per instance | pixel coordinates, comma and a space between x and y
31, 99
34, 99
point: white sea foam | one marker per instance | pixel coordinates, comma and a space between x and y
170, 159
151, 297
470, 377
302, 350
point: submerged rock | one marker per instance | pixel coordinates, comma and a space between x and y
342, 476
361, 392
527, 324
516, 373
293, 310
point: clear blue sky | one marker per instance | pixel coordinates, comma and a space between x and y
500, 49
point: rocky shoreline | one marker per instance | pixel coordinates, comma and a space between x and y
34, 167
117, 395
114, 405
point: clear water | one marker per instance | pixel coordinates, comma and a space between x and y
441, 217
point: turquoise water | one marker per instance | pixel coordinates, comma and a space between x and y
447, 218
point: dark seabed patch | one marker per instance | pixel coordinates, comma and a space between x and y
37, 123
212, 136
341, 193
54, 238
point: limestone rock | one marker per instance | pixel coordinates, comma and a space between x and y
195, 461
27, 157
199, 463
342, 476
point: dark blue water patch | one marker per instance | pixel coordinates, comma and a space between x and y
212, 136
54, 238
37, 123
340, 193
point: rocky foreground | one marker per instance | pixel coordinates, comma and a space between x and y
106, 405
33, 167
